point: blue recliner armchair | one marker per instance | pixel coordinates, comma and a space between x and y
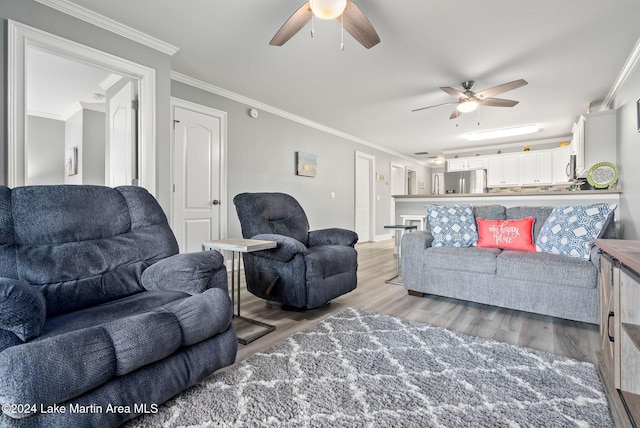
308, 268
99, 315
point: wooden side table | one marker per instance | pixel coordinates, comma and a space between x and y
238, 246
400, 229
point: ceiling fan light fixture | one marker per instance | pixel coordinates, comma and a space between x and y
328, 9
467, 106
503, 132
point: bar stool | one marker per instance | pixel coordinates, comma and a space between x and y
408, 218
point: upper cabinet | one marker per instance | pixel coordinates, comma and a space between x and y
503, 170
464, 164
535, 168
560, 159
594, 140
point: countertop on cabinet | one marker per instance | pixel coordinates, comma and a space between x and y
626, 251
414, 204
574, 193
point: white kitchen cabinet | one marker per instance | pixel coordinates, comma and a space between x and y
560, 161
535, 168
503, 170
465, 164
594, 140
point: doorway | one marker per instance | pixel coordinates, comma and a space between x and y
21, 38
364, 196
412, 182
398, 187
199, 201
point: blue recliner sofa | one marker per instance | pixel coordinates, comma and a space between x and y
308, 268
100, 318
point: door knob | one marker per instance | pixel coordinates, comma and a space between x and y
216, 202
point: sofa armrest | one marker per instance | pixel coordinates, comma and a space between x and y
333, 236
190, 272
286, 250
23, 308
414, 241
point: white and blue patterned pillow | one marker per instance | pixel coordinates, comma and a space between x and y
452, 226
572, 230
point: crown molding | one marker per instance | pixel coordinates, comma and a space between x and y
628, 67
191, 81
109, 24
109, 81
45, 115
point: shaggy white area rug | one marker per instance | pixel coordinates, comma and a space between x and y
363, 369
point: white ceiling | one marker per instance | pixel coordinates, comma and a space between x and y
570, 52
55, 85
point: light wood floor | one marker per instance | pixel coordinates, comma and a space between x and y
377, 263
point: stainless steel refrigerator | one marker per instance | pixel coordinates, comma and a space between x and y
473, 181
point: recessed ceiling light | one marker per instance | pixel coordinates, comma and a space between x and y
503, 132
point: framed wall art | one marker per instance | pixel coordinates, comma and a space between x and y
306, 164
71, 161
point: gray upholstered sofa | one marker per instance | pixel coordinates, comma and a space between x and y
538, 282
100, 318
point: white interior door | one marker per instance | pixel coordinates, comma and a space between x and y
122, 159
397, 188
197, 197
364, 196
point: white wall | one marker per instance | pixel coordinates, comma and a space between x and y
261, 157
629, 155
93, 147
45, 146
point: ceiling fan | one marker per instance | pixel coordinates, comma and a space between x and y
469, 100
345, 11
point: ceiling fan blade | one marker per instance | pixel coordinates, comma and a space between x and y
357, 24
501, 88
456, 113
497, 102
299, 19
437, 105
453, 92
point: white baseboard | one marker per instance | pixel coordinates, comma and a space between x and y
384, 237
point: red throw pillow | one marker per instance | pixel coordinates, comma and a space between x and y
506, 234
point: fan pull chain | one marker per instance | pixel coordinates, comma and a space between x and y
313, 31
342, 34
478, 115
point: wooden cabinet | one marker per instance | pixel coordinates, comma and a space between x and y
503, 170
535, 169
619, 354
465, 164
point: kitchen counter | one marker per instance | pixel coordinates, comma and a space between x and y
414, 204
544, 194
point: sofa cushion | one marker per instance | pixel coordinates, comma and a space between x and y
490, 212
539, 213
468, 259
82, 245
546, 268
452, 226
506, 234
64, 362
572, 230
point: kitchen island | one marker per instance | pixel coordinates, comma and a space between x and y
415, 204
